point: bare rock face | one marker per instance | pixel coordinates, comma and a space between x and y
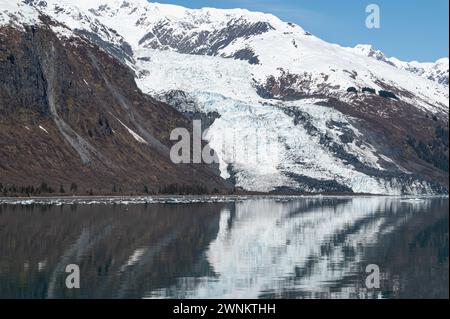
163, 36
72, 116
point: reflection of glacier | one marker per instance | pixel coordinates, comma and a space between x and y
293, 247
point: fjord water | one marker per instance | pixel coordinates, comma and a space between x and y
279, 247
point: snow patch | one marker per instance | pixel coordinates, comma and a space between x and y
42, 128
134, 134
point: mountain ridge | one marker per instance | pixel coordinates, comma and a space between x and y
376, 126
435, 71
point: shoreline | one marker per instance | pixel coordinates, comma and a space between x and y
187, 199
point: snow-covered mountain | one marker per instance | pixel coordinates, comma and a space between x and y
318, 116
434, 71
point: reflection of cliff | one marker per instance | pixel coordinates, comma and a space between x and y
122, 251
419, 266
302, 248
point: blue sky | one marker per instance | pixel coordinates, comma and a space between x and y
410, 29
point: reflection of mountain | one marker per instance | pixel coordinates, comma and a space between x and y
418, 266
266, 248
308, 248
122, 252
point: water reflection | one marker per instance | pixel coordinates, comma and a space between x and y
255, 248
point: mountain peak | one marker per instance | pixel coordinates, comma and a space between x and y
442, 61
370, 51
435, 71
364, 48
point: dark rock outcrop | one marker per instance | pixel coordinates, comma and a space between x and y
71, 114
163, 36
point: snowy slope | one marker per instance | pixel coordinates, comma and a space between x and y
221, 61
17, 13
238, 33
437, 71
434, 71
271, 44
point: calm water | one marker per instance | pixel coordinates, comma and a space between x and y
246, 248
